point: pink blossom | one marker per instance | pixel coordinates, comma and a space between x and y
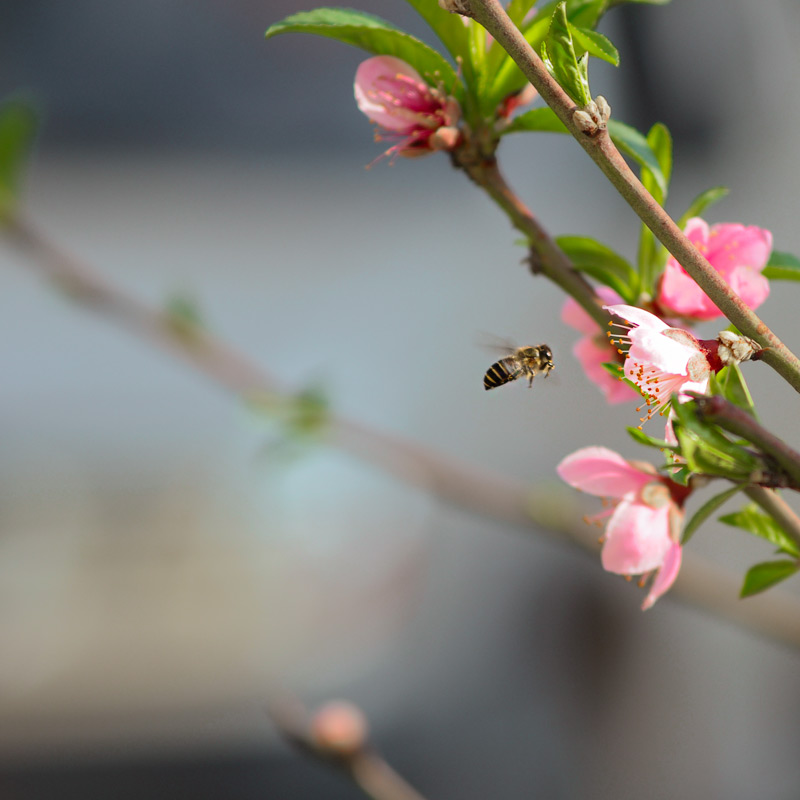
737, 252
660, 360
593, 349
642, 536
413, 114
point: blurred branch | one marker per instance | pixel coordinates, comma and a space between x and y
461, 485
350, 754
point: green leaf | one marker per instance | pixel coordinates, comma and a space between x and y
561, 59
372, 34
702, 202
766, 574
595, 44
537, 119
640, 437
707, 450
782, 267
754, 521
18, 126
450, 29
652, 256
635, 145
706, 510
602, 263
518, 9
508, 77
735, 389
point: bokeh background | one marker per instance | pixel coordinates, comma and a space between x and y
164, 566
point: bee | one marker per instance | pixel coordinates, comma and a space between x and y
525, 362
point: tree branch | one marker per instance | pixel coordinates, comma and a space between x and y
493, 17
547, 257
462, 486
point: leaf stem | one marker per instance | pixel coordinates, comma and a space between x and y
493, 17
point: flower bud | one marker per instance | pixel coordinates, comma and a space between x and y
339, 728
735, 348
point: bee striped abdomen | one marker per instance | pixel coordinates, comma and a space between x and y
498, 374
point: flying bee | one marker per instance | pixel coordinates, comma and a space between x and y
525, 362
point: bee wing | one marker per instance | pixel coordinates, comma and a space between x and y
497, 344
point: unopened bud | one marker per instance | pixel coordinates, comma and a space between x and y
445, 138
339, 728
603, 110
455, 6
735, 348
584, 122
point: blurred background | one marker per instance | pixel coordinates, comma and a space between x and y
164, 567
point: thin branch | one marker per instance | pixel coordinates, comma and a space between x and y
738, 422
362, 764
460, 485
493, 17
547, 257
777, 508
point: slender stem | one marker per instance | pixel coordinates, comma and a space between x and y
738, 422
367, 769
460, 485
492, 15
777, 508
547, 257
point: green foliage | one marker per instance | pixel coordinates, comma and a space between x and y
18, 126
734, 388
541, 119
602, 264
706, 510
762, 576
562, 60
640, 437
782, 267
303, 416
595, 44
707, 450
652, 256
765, 527
450, 29
372, 34
702, 202
638, 147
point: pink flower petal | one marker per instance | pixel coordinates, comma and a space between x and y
665, 576
592, 355
637, 538
638, 316
573, 314
602, 472
679, 294
750, 285
373, 76
731, 245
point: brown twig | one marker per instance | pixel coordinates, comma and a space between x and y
361, 763
777, 508
462, 486
550, 258
733, 419
493, 17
